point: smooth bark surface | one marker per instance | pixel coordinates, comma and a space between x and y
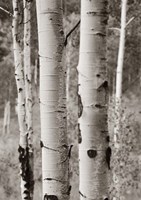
93, 99
55, 151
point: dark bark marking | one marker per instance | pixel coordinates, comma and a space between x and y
42, 145
98, 75
26, 172
82, 195
104, 58
20, 89
80, 106
91, 13
70, 149
53, 179
61, 32
99, 106
100, 34
106, 198
103, 85
108, 138
50, 197
92, 153
108, 156
79, 135
28, 80
69, 190
105, 20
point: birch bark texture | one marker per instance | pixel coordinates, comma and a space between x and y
55, 151
116, 191
28, 90
19, 76
93, 100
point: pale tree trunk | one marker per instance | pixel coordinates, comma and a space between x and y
28, 89
93, 100
6, 121
68, 62
120, 68
36, 76
19, 76
55, 151
116, 191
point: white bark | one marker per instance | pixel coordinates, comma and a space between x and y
6, 121
93, 99
28, 89
19, 76
68, 57
55, 158
121, 52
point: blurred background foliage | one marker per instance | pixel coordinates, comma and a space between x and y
9, 172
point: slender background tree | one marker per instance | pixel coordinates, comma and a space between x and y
28, 90
19, 76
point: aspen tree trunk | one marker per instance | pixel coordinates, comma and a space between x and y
116, 187
28, 89
68, 57
93, 99
6, 121
19, 76
120, 67
55, 151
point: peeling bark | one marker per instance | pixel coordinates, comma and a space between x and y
93, 100
55, 151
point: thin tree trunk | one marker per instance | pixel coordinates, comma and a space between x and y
93, 100
116, 192
68, 59
6, 121
120, 69
55, 151
28, 89
19, 76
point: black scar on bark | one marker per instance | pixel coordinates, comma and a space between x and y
108, 138
70, 149
26, 172
69, 190
106, 198
82, 195
80, 106
92, 153
50, 197
103, 85
108, 157
79, 135
20, 89
41, 144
